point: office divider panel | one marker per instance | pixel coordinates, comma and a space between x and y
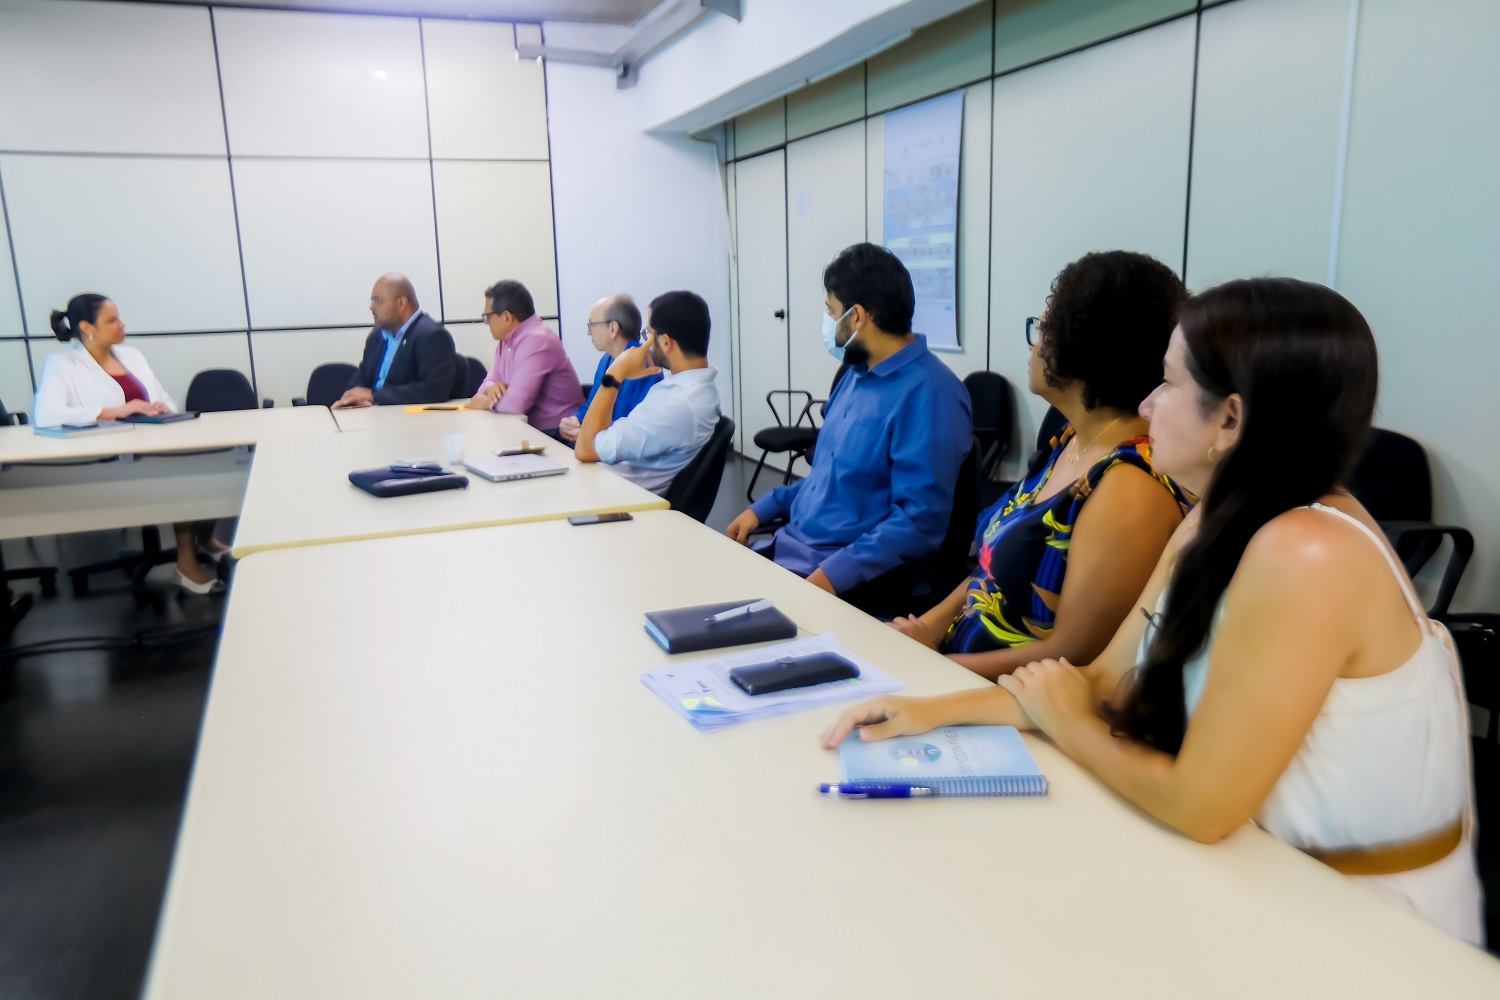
825, 212
1091, 153
1265, 141
760, 187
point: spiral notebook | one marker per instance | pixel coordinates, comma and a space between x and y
952, 761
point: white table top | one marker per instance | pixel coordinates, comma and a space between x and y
428, 768
211, 430
366, 418
299, 492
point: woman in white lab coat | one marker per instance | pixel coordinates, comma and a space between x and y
102, 379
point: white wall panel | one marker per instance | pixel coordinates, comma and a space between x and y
300, 84
1090, 154
485, 104
285, 358
1419, 245
174, 359
1265, 143
15, 377
108, 78
10, 305
494, 221
760, 187
157, 235
317, 234
825, 211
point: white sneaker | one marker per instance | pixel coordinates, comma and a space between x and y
193, 587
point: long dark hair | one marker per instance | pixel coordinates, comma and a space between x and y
82, 308
1303, 360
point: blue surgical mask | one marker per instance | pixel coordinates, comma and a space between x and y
831, 334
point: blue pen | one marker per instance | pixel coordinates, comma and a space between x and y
857, 791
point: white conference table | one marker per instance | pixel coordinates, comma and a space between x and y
155, 473
428, 768
299, 492
458, 419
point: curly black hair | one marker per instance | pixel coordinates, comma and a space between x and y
1108, 321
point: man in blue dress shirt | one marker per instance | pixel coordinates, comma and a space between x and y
614, 328
897, 429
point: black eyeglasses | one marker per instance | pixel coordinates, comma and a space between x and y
1033, 330
485, 316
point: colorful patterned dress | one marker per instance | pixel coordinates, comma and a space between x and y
1023, 552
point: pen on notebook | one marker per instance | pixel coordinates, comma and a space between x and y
883, 791
743, 609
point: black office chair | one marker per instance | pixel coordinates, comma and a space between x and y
326, 384
914, 588
466, 380
1052, 426
15, 607
1394, 482
1477, 639
991, 405
696, 485
218, 389
795, 439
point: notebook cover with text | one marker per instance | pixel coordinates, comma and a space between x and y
953, 760
684, 630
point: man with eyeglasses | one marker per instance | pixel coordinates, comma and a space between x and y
614, 327
531, 374
409, 357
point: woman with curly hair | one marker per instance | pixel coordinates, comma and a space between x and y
1064, 553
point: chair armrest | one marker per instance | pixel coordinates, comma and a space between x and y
1408, 536
768, 527
266, 404
299, 401
21, 419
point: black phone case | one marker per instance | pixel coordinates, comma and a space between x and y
793, 672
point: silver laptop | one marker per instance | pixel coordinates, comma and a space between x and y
504, 468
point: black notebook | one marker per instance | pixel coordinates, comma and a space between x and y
685, 630
161, 418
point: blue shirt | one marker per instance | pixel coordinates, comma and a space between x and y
665, 432
881, 487
632, 391
392, 344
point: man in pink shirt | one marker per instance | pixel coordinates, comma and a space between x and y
531, 374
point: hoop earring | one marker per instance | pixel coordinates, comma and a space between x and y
1212, 460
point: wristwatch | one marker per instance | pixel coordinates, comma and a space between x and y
609, 381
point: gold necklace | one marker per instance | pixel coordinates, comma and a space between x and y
1073, 458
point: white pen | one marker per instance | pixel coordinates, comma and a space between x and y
743, 609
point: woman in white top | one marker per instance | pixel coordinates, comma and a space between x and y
102, 379
1289, 675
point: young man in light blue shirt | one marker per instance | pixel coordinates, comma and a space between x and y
667, 428
896, 431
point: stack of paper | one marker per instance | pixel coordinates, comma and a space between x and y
702, 693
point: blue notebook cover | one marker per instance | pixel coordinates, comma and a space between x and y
953, 761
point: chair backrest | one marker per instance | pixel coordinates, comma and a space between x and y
1052, 425
696, 485
328, 382
1393, 479
466, 379
220, 389
990, 404
952, 561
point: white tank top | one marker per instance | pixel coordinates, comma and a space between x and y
1386, 760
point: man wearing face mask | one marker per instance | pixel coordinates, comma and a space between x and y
667, 428
896, 430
